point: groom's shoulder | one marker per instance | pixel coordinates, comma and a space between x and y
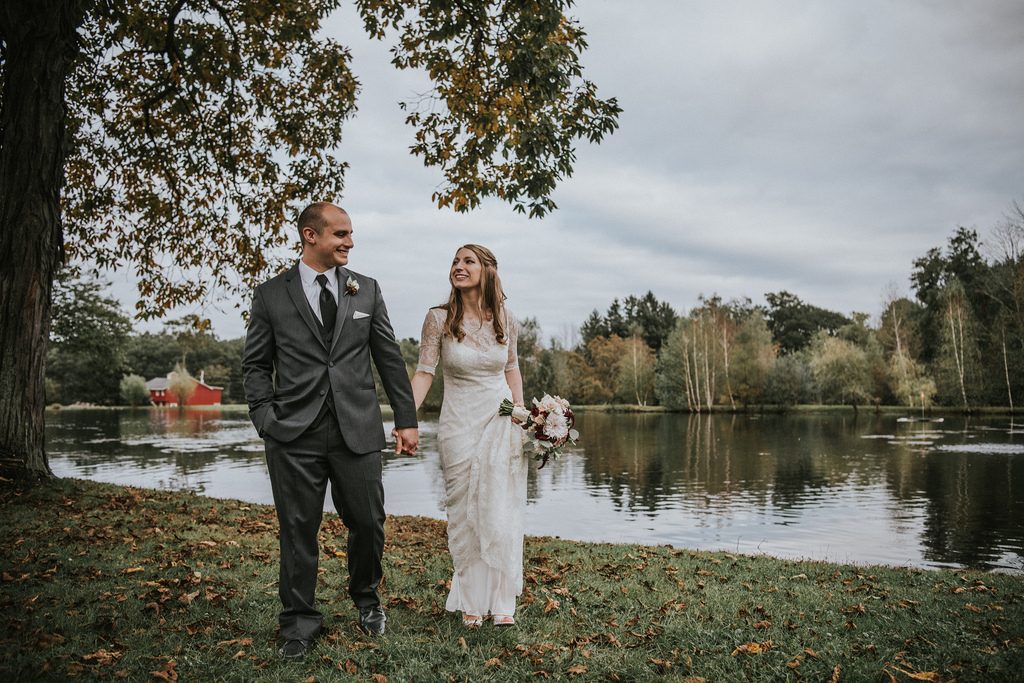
279, 280
360, 277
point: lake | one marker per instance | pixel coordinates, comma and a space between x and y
867, 488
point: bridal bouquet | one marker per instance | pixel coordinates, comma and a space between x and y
549, 424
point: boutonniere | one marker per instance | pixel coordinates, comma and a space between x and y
351, 286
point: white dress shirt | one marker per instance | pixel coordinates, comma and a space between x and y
311, 287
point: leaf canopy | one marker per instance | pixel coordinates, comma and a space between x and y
198, 128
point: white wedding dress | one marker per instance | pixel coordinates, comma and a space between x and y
483, 464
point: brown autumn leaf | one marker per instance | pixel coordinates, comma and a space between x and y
676, 605
762, 625
462, 644
663, 665
132, 570
349, 667
551, 604
46, 640
920, 675
576, 670
492, 662
167, 673
244, 642
102, 657
752, 648
973, 608
379, 678
835, 674
811, 653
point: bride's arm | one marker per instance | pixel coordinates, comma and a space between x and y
513, 376
515, 383
430, 355
421, 382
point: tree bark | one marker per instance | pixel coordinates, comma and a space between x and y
40, 44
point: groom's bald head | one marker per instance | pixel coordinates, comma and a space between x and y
317, 216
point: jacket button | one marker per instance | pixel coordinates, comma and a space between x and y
322, 392
331, 364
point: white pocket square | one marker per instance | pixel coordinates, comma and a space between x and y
359, 314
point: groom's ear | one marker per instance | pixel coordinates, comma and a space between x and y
309, 235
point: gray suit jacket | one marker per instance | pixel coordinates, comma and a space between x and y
288, 369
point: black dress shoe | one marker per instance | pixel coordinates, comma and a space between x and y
372, 620
294, 649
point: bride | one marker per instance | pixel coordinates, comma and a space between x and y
473, 336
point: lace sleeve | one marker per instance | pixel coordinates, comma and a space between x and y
430, 342
512, 332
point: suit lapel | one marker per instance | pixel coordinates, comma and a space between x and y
344, 304
294, 285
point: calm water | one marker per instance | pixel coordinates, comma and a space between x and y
864, 489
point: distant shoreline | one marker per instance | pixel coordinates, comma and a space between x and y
387, 414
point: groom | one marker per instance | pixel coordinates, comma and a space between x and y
312, 332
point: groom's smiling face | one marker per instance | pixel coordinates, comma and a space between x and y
331, 245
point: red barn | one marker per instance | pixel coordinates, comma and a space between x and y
202, 395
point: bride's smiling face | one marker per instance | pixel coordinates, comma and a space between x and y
466, 269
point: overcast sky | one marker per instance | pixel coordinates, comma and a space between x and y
813, 147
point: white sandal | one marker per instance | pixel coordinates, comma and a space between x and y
504, 620
472, 621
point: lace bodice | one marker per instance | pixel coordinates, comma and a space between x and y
479, 338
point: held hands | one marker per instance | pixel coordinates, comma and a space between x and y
406, 440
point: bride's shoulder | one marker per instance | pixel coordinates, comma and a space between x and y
436, 315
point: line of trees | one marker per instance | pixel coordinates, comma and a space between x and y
959, 342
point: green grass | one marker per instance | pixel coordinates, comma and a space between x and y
106, 582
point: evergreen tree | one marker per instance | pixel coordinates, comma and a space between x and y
88, 337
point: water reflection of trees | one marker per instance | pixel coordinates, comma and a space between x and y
972, 503
645, 460
188, 441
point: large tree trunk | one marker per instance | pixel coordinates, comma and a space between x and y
40, 43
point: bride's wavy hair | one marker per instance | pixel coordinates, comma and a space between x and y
491, 291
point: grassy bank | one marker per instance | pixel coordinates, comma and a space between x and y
100, 581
